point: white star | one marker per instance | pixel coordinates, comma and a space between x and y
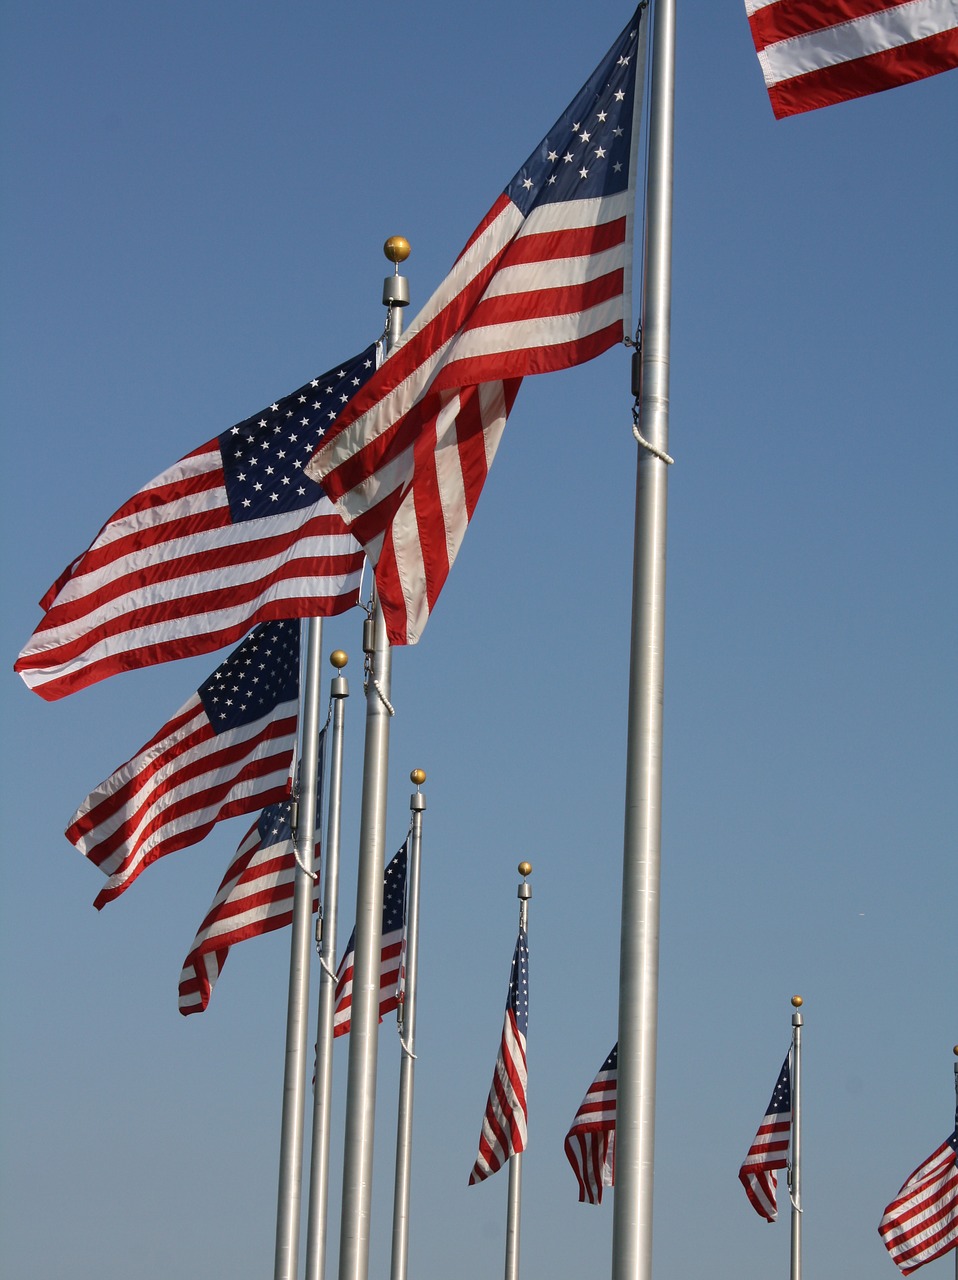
553, 156
602, 116
568, 157
241, 476
619, 95
586, 137
552, 179
623, 62
234, 431
617, 167
314, 383
583, 173
304, 422
617, 131
275, 408
600, 152
302, 399
527, 183
262, 421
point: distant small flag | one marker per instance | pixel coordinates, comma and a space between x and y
590, 1143
504, 1125
813, 55
255, 897
227, 751
233, 534
921, 1223
769, 1150
391, 955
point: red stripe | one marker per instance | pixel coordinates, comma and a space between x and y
566, 300
560, 243
914, 61
520, 362
790, 18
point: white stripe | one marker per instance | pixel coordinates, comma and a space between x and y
566, 215
861, 38
543, 331
530, 277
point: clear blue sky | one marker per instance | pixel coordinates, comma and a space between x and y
195, 199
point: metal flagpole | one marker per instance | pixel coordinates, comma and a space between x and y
286, 1264
514, 1213
407, 1032
639, 948
364, 1013
326, 942
795, 1168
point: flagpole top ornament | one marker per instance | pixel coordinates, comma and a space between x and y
418, 776
397, 249
955, 1050
525, 868
797, 1002
339, 658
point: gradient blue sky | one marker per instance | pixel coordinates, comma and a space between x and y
195, 199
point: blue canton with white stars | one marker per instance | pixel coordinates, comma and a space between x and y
518, 1000
255, 679
782, 1094
586, 153
264, 457
394, 893
275, 824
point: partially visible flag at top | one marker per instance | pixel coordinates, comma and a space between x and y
921, 1223
227, 751
813, 55
590, 1143
544, 283
255, 897
233, 534
504, 1125
769, 1149
391, 954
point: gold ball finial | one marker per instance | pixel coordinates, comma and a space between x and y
797, 1001
955, 1051
525, 868
339, 658
397, 249
418, 776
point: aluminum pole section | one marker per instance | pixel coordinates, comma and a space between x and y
286, 1264
364, 1013
639, 949
795, 1168
407, 1032
326, 941
514, 1212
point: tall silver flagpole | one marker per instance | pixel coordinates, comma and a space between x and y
407, 1029
639, 948
286, 1264
514, 1213
795, 1168
364, 1013
326, 941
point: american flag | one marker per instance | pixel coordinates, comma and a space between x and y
590, 1143
921, 1223
769, 1149
391, 955
233, 534
504, 1125
227, 751
255, 896
813, 55
544, 283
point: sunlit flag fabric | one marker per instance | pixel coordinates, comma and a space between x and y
233, 534
590, 1143
391, 954
505, 1123
254, 897
227, 751
769, 1149
921, 1223
544, 283
813, 55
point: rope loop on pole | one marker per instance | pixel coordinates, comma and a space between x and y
647, 444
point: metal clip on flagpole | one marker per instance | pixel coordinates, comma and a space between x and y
795, 1168
326, 943
364, 1017
286, 1261
514, 1215
407, 1023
